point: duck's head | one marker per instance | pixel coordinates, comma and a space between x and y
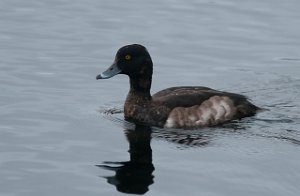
132, 60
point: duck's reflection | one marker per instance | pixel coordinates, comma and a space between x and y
135, 175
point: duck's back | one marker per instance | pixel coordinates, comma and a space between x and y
202, 106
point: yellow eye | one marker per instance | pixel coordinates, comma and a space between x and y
127, 57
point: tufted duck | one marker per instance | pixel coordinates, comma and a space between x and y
175, 107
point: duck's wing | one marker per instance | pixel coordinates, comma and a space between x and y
213, 106
187, 96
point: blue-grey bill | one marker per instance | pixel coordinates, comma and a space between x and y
110, 72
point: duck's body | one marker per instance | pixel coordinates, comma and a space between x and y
176, 107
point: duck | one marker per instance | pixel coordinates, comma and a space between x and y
180, 107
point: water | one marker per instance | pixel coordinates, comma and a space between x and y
62, 132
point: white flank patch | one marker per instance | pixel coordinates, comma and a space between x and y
213, 111
170, 123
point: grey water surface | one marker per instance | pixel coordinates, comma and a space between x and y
62, 132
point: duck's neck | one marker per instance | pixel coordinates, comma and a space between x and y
138, 99
140, 86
